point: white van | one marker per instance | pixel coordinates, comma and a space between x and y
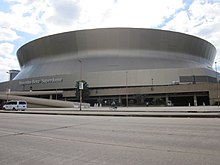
15, 105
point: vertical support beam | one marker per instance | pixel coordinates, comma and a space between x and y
167, 99
195, 99
119, 99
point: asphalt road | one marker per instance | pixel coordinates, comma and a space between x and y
96, 140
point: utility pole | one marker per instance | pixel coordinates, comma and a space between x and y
126, 88
80, 86
216, 68
8, 90
152, 84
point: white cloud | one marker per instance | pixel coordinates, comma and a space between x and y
60, 16
139, 13
44, 17
202, 19
7, 60
180, 22
6, 48
84, 14
65, 13
8, 34
24, 16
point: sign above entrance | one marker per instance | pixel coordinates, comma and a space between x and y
41, 81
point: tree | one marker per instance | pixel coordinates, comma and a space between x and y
85, 91
139, 99
159, 101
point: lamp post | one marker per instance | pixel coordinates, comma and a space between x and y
8, 90
80, 86
152, 83
126, 88
216, 68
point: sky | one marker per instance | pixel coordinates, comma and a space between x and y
25, 20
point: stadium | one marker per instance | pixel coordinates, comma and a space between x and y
133, 66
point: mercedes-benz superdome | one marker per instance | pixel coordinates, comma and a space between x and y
104, 57
129, 65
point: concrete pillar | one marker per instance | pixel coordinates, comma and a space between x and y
119, 99
167, 99
195, 99
51, 97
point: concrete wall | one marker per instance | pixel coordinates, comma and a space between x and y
107, 79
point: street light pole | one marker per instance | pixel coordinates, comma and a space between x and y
80, 86
217, 81
126, 88
152, 83
8, 86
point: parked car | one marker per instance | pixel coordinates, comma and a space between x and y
15, 105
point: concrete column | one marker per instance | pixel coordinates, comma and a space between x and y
167, 99
195, 99
51, 97
119, 99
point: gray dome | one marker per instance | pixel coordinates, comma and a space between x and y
113, 49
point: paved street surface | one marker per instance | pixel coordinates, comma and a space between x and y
27, 139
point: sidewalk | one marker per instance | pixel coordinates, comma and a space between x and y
193, 112
138, 109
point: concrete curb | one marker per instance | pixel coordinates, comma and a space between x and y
124, 114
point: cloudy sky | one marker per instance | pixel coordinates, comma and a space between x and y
25, 20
